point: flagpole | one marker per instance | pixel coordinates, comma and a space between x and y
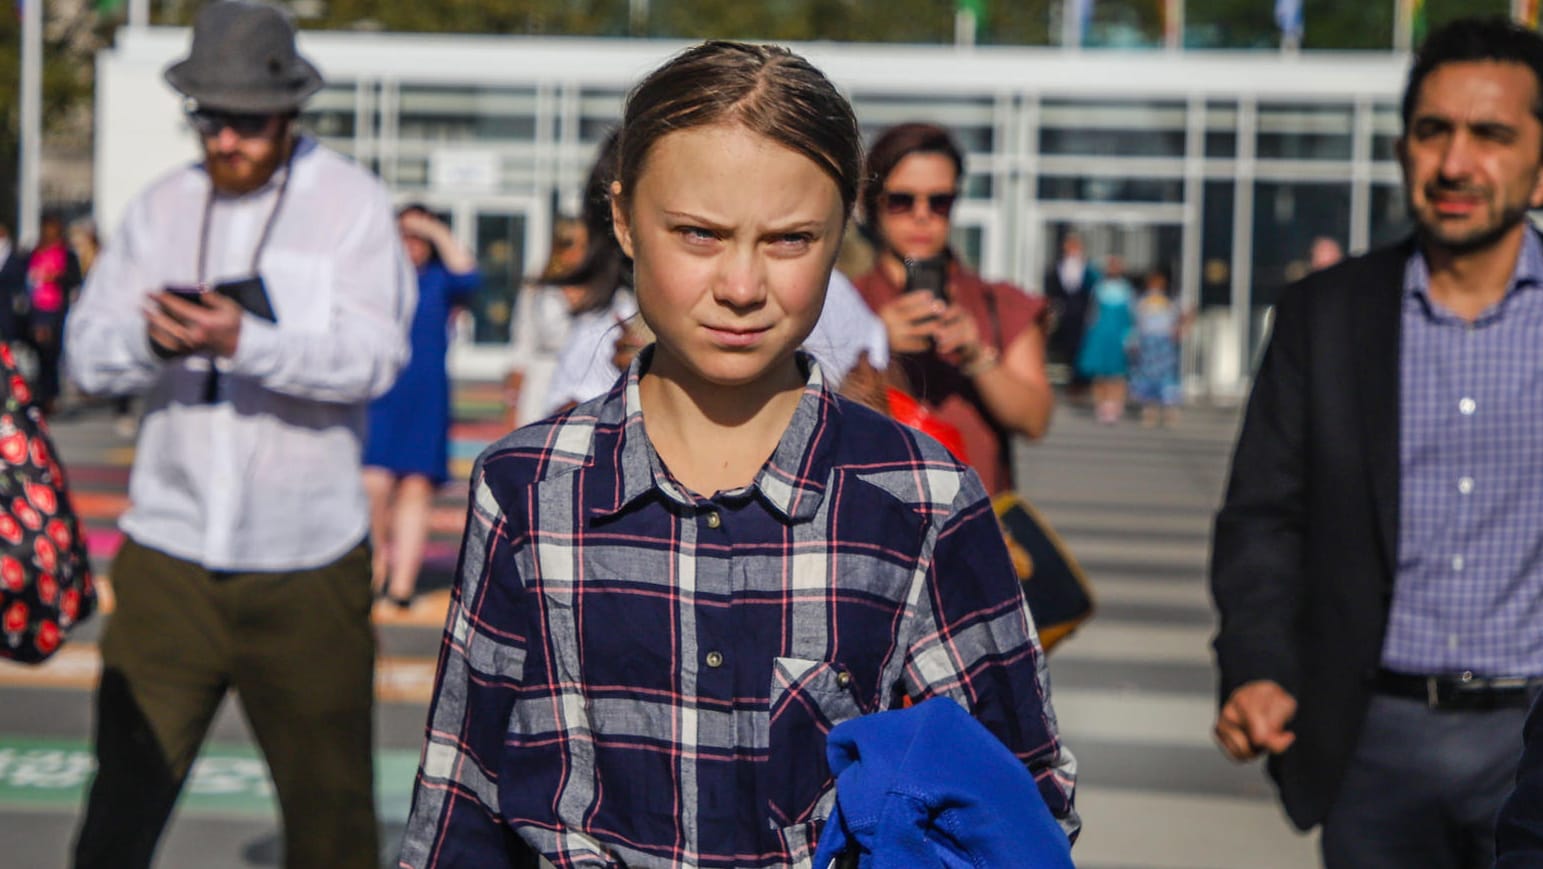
139, 13
28, 185
1071, 28
1403, 25
1288, 17
964, 28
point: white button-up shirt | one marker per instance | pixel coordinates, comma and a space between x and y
266, 477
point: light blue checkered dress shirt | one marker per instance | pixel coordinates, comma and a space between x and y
1469, 583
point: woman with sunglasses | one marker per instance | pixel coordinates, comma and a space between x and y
971, 352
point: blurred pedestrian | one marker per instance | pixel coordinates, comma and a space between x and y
1375, 558
1069, 284
971, 351
53, 276
407, 452
719, 546
597, 296
84, 243
1106, 349
1324, 252
15, 297
258, 299
1154, 381
542, 314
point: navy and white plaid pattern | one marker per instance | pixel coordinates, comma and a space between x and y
634, 675
1469, 590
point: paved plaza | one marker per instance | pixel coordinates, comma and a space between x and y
1134, 689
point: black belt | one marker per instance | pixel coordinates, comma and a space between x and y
1459, 690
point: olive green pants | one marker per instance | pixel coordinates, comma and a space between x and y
299, 651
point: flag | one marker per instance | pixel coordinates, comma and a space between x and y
1288, 17
1418, 23
1077, 15
1525, 13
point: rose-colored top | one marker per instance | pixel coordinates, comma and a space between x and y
942, 388
45, 274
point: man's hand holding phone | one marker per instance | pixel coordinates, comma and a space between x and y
180, 321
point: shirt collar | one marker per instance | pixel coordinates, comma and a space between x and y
792, 482
1528, 273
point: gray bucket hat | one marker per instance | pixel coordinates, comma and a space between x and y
244, 60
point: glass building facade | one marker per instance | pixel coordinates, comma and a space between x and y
1220, 168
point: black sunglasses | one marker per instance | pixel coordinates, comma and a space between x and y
896, 202
209, 122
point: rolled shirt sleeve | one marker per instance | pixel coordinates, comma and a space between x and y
106, 347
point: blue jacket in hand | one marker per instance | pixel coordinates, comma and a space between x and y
931, 786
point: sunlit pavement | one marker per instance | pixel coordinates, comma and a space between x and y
1134, 689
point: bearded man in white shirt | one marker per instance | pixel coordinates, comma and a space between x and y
258, 299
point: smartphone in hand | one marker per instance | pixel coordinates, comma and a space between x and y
192, 294
929, 274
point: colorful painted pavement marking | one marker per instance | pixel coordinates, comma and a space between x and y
398, 679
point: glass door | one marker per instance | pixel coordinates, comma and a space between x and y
975, 238
499, 240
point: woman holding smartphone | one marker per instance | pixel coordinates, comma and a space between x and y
973, 352
669, 594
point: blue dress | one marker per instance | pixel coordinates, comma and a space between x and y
409, 426
1103, 351
1155, 379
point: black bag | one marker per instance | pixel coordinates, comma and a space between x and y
45, 573
1053, 582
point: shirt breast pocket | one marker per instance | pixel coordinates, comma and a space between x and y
299, 287
808, 698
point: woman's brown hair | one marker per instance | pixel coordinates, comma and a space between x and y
768, 89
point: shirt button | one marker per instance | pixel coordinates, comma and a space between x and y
713, 521
1467, 406
1465, 485
714, 659
1457, 562
844, 679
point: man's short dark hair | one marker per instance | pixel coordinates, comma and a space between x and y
1477, 39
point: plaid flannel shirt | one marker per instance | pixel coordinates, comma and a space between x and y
634, 675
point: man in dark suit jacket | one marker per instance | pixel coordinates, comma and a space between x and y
1069, 285
1378, 559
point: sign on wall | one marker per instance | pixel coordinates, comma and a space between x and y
456, 170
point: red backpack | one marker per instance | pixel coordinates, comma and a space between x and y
45, 574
